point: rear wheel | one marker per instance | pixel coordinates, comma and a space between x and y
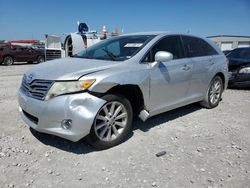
214, 93
8, 60
112, 123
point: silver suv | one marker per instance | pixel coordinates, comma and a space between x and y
97, 92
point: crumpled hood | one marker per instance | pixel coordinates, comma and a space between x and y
68, 68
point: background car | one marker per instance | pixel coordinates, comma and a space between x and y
226, 52
13, 53
239, 67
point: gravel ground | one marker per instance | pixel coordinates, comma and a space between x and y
204, 148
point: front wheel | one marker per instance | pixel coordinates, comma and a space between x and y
112, 123
214, 93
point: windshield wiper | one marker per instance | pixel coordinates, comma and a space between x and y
81, 56
110, 54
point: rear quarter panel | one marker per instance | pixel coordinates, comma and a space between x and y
221, 63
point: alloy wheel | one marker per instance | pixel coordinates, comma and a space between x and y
111, 121
215, 92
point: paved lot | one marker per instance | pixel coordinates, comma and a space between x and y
204, 148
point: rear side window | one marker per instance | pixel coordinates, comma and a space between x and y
196, 47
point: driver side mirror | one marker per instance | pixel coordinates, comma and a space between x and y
162, 56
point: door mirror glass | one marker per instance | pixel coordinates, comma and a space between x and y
162, 56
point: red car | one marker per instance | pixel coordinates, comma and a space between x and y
13, 53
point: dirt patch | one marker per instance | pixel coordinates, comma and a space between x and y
199, 148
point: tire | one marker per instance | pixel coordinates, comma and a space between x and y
107, 131
40, 59
8, 60
213, 95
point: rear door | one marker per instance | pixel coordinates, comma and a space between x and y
169, 81
202, 54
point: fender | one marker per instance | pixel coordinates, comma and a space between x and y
112, 78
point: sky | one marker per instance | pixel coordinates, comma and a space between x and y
29, 19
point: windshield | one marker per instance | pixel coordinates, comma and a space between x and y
116, 48
243, 53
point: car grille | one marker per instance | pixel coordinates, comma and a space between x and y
53, 54
37, 89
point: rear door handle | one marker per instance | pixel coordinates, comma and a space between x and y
186, 67
211, 62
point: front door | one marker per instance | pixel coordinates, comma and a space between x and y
170, 81
21, 54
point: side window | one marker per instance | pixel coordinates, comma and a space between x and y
247, 54
170, 44
196, 47
20, 49
244, 54
207, 48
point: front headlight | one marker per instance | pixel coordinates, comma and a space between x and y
60, 88
245, 70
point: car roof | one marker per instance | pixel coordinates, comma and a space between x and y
160, 33
165, 33
145, 33
242, 48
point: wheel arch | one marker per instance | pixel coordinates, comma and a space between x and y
131, 92
222, 76
40, 55
8, 55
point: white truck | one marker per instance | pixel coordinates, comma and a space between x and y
73, 43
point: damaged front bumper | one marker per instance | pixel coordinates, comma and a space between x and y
47, 116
